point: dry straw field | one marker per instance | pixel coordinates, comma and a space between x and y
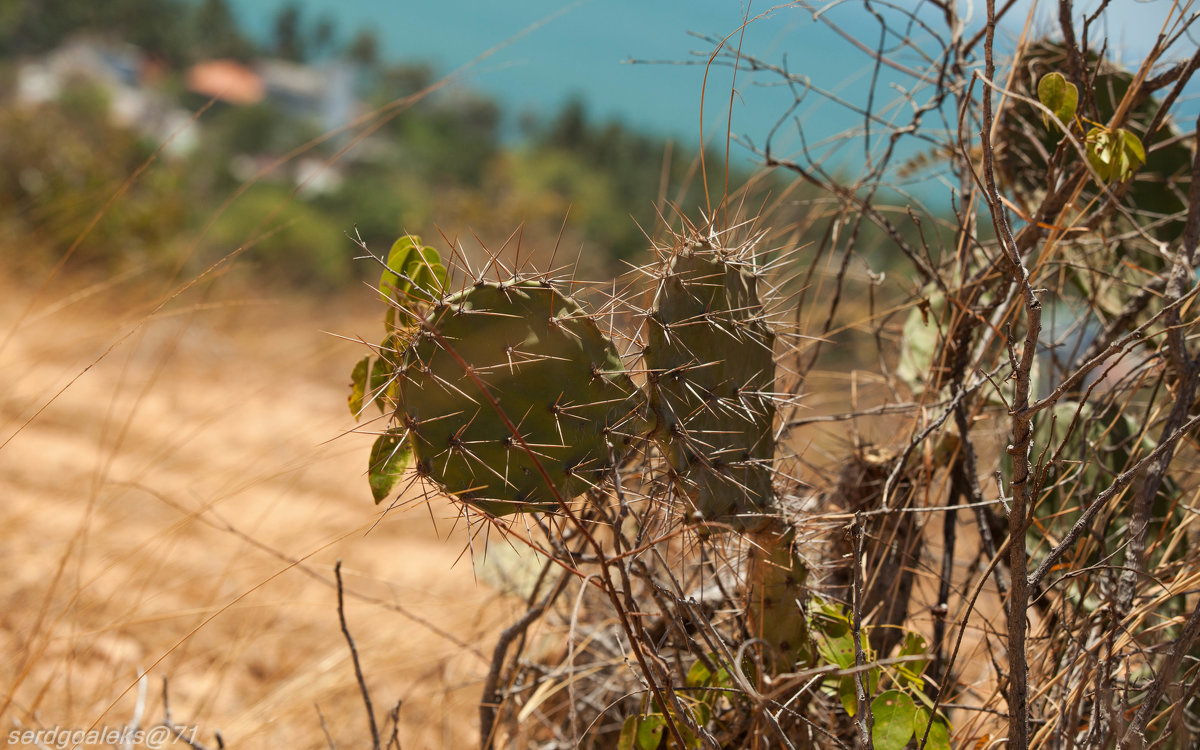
177, 513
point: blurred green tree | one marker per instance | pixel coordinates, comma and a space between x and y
215, 33
288, 34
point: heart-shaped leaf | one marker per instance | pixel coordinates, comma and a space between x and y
1060, 96
427, 275
628, 733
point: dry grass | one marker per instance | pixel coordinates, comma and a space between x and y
177, 511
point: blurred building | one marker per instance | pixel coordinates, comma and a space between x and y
324, 93
127, 78
121, 72
225, 80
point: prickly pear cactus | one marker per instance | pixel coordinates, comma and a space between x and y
509, 396
710, 358
515, 355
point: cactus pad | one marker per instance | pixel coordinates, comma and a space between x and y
711, 373
546, 365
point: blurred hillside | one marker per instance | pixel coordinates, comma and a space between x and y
156, 136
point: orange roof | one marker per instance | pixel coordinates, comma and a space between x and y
227, 80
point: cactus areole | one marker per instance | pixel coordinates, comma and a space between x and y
518, 354
712, 373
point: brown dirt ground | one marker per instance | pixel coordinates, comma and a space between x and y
178, 510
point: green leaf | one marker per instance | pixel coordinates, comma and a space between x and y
650, 732
830, 618
939, 733
848, 694
895, 715
390, 456
1060, 96
413, 270
628, 733
1099, 153
1134, 152
382, 373
391, 283
426, 273
847, 691
699, 675
428, 280
839, 650
914, 645
1115, 155
358, 386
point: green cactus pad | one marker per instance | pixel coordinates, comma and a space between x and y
551, 371
711, 374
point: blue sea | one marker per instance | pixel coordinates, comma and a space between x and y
533, 55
